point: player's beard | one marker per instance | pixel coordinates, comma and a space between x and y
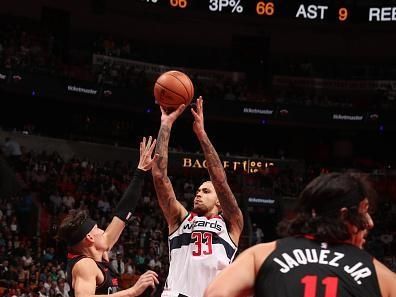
200, 210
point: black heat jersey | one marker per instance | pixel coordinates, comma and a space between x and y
109, 284
300, 267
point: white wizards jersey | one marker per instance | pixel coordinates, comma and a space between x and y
199, 249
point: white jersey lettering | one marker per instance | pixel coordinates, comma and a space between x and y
199, 249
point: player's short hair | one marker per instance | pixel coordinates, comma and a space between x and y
74, 227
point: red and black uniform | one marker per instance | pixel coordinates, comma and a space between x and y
109, 284
301, 267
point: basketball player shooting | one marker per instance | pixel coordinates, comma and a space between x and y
204, 241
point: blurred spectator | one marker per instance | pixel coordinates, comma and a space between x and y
11, 148
64, 287
258, 234
155, 263
118, 264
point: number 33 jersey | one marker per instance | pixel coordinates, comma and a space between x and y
199, 249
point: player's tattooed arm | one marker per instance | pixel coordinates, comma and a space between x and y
173, 210
230, 209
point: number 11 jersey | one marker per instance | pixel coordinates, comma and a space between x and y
303, 267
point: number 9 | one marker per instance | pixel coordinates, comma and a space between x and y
342, 14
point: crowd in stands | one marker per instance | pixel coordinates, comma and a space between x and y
205, 57
26, 47
336, 67
31, 47
379, 98
118, 74
32, 262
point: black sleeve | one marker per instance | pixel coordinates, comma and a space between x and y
129, 199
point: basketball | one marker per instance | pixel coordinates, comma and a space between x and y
172, 89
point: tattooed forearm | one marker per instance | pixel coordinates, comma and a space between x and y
172, 209
162, 148
218, 177
161, 186
232, 210
167, 200
215, 168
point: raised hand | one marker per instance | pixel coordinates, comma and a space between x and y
198, 125
147, 279
169, 117
146, 151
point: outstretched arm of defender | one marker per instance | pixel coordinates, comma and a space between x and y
229, 206
127, 204
173, 210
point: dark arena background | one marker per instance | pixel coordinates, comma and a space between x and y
291, 89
